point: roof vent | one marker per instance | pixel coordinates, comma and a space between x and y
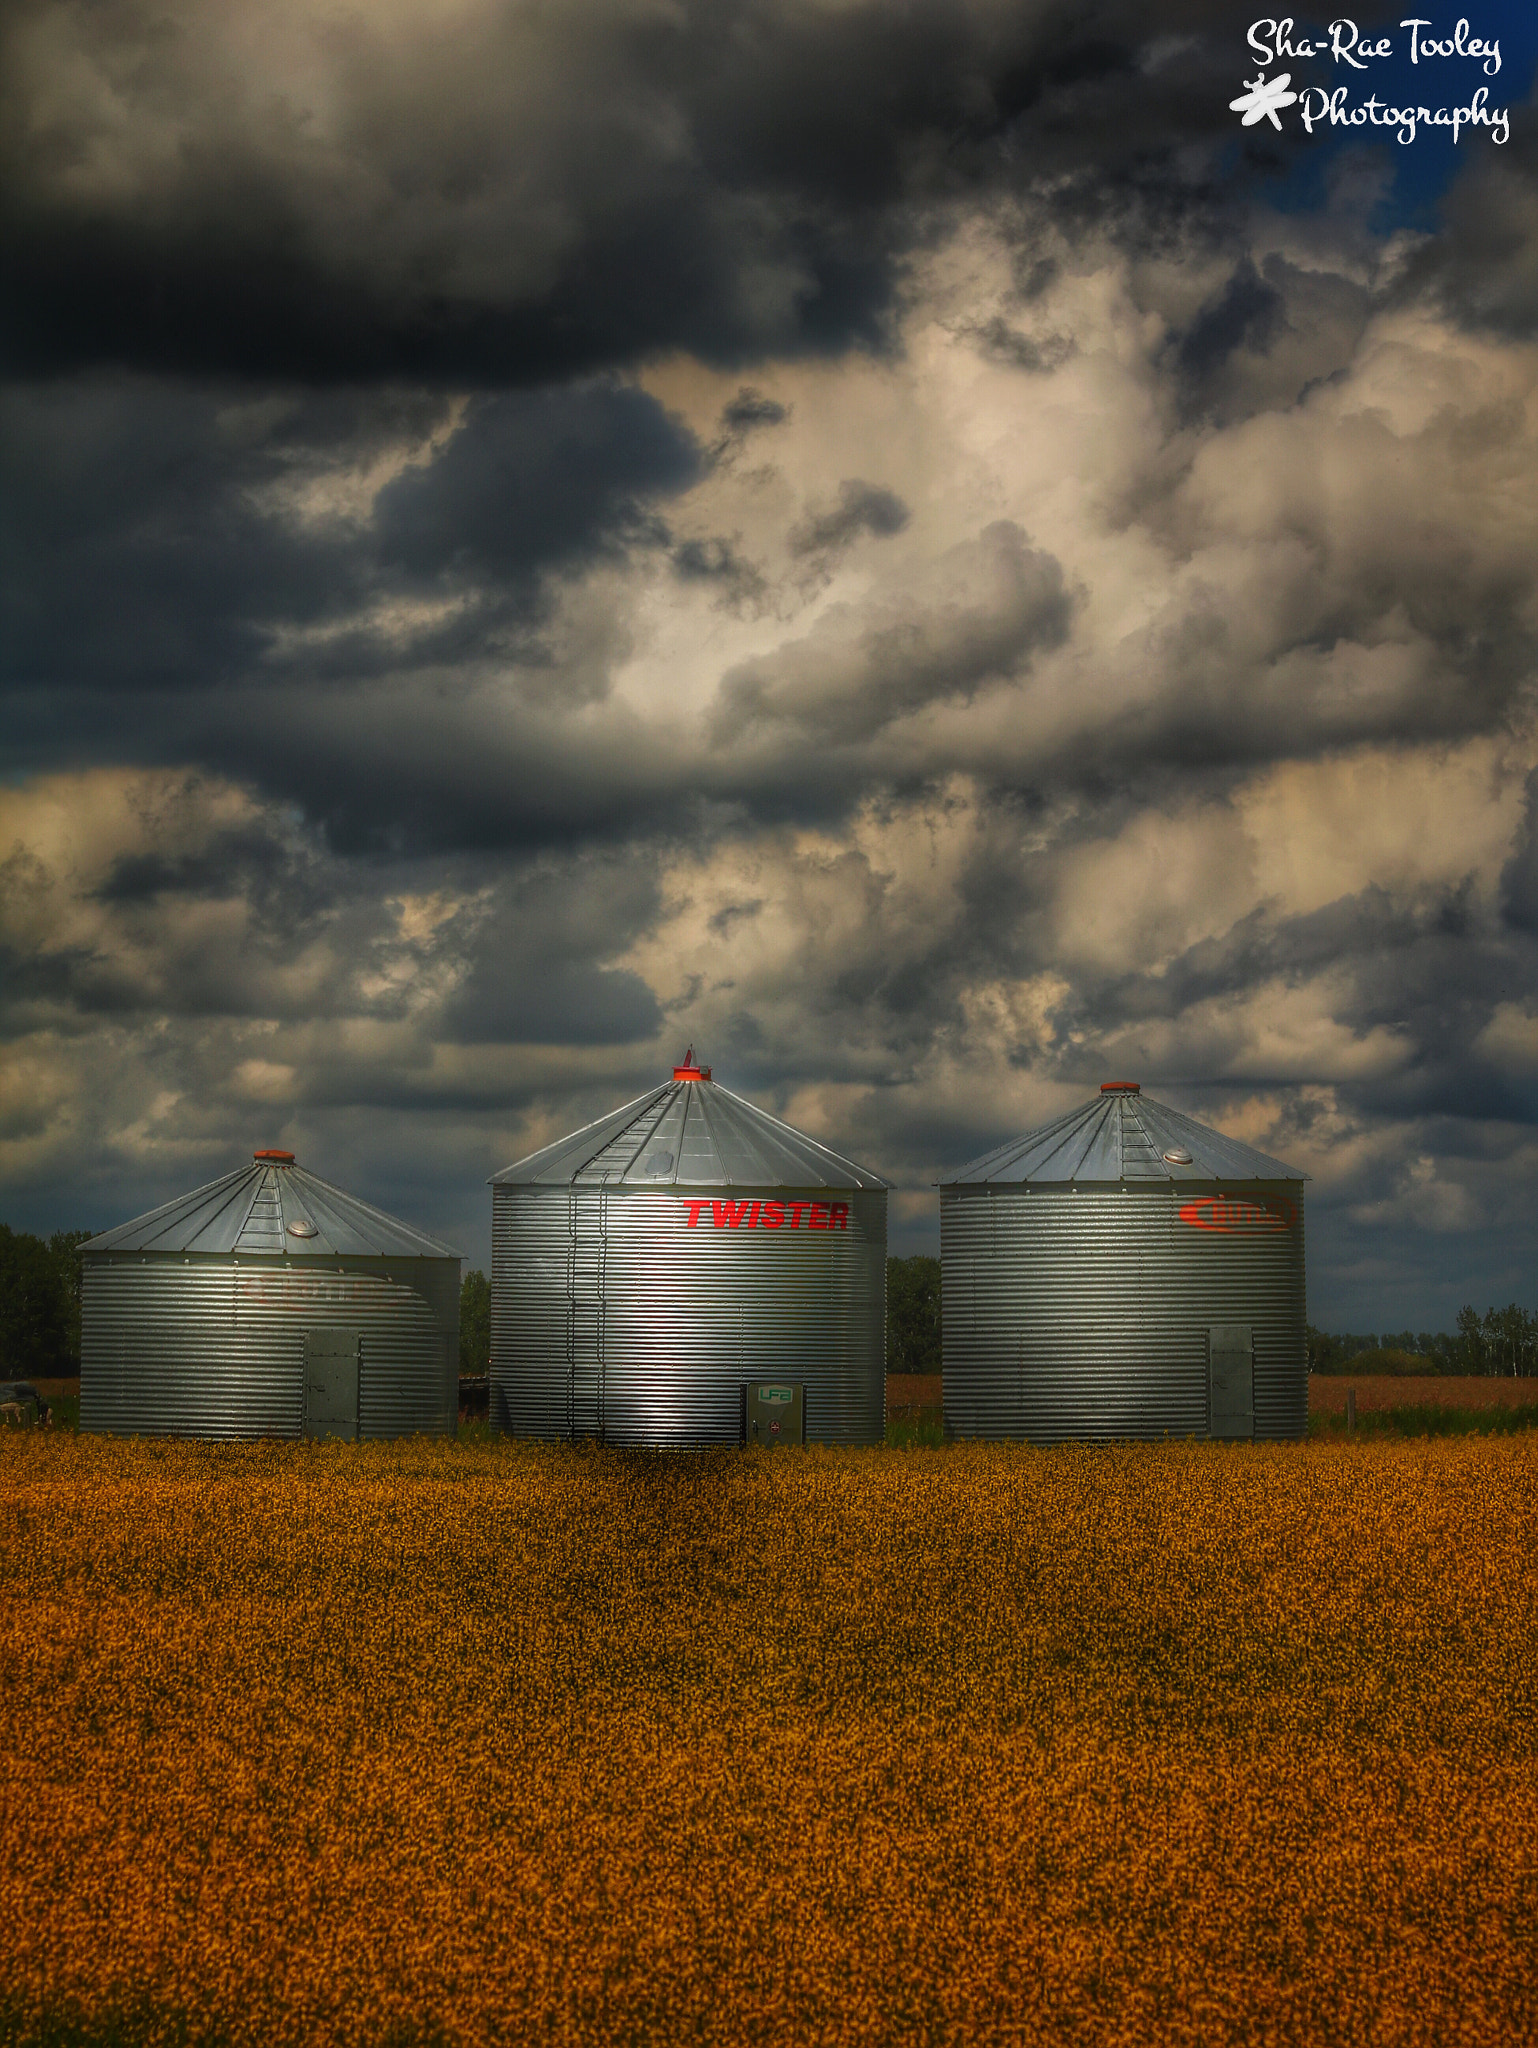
689, 1071
1121, 1087
1179, 1156
302, 1230
274, 1158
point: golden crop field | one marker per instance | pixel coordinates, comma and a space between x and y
477, 1741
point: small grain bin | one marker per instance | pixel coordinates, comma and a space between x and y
269, 1304
647, 1266
1123, 1272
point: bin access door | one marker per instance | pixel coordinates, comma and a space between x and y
1230, 1381
774, 1412
331, 1359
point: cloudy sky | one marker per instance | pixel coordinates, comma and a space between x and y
897, 543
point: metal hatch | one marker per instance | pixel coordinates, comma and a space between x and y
1230, 1381
331, 1372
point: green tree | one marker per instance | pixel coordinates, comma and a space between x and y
1471, 1340
1324, 1351
475, 1324
1509, 1335
913, 1314
64, 1250
39, 1304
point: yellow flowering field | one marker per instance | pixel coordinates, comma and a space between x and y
476, 1741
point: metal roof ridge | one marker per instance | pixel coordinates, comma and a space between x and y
1129, 1107
326, 1214
1202, 1130
162, 1210
805, 1136
584, 1164
1060, 1128
665, 1103
258, 1177
397, 1223
710, 1131
636, 1103
191, 1206
1084, 1121
760, 1136
1093, 1128
1057, 1151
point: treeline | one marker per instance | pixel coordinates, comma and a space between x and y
1502, 1341
39, 1304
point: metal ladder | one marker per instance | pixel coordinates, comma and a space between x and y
585, 1373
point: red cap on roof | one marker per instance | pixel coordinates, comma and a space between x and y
689, 1071
275, 1158
1121, 1087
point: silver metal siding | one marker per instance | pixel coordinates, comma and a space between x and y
1085, 1313
611, 1294
178, 1345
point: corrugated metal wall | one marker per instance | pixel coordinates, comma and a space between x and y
610, 1315
1086, 1314
182, 1345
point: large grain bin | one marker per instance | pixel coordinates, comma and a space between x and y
648, 1266
269, 1304
1123, 1272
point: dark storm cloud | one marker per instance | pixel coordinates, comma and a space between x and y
715, 560
749, 410
531, 479
534, 196
1519, 878
523, 1000
1006, 344
1423, 966
133, 551
844, 685
535, 972
1484, 265
1245, 314
861, 508
250, 861
150, 539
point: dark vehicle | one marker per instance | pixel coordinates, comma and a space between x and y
16, 1396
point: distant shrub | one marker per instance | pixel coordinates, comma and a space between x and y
1399, 1364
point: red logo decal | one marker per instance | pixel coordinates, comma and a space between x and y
1240, 1214
763, 1215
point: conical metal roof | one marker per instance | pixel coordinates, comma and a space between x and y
1120, 1134
272, 1205
691, 1132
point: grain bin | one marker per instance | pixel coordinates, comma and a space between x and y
647, 1266
1123, 1272
268, 1304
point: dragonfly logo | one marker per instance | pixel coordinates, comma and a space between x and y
1262, 98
